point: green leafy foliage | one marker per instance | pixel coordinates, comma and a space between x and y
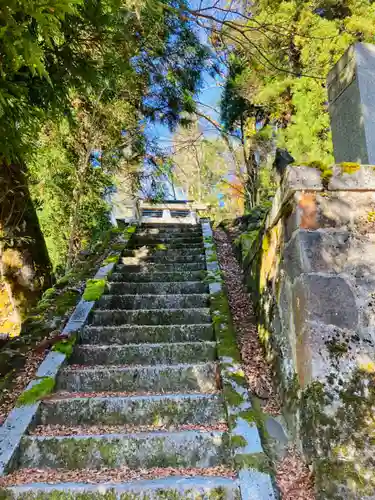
284, 68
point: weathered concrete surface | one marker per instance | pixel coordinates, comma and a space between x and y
180, 301
151, 317
149, 354
163, 410
135, 266
170, 253
159, 378
155, 277
158, 288
174, 488
138, 334
164, 257
351, 97
312, 273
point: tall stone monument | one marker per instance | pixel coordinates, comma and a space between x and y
351, 96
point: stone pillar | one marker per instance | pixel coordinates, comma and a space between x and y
351, 96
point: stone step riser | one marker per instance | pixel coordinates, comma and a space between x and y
142, 410
130, 334
166, 240
161, 378
151, 317
139, 246
171, 253
124, 270
134, 260
154, 277
156, 288
134, 302
174, 488
143, 450
169, 234
144, 354
171, 228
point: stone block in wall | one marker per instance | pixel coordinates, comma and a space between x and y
314, 251
328, 299
345, 209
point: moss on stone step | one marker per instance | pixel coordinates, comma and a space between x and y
44, 387
66, 346
94, 289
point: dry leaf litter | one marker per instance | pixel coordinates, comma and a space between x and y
100, 394
294, 478
63, 430
122, 474
22, 378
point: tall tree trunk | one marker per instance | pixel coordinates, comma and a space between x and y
25, 266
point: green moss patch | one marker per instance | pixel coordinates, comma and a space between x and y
113, 259
257, 461
349, 167
66, 346
94, 289
325, 171
44, 387
223, 326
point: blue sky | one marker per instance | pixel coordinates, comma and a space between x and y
210, 95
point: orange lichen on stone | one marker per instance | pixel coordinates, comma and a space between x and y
309, 211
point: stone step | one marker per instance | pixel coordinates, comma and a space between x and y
166, 410
134, 302
170, 488
151, 317
172, 245
169, 234
158, 240
187, 287
160, 258
147, 277
124, 270
138, 450
171, 228
144, 354
171, 252
131, 334
159, 378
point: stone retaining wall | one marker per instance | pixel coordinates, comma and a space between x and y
311, 268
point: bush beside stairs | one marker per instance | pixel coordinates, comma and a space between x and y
146, 362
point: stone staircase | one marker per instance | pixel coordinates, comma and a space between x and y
141, 391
